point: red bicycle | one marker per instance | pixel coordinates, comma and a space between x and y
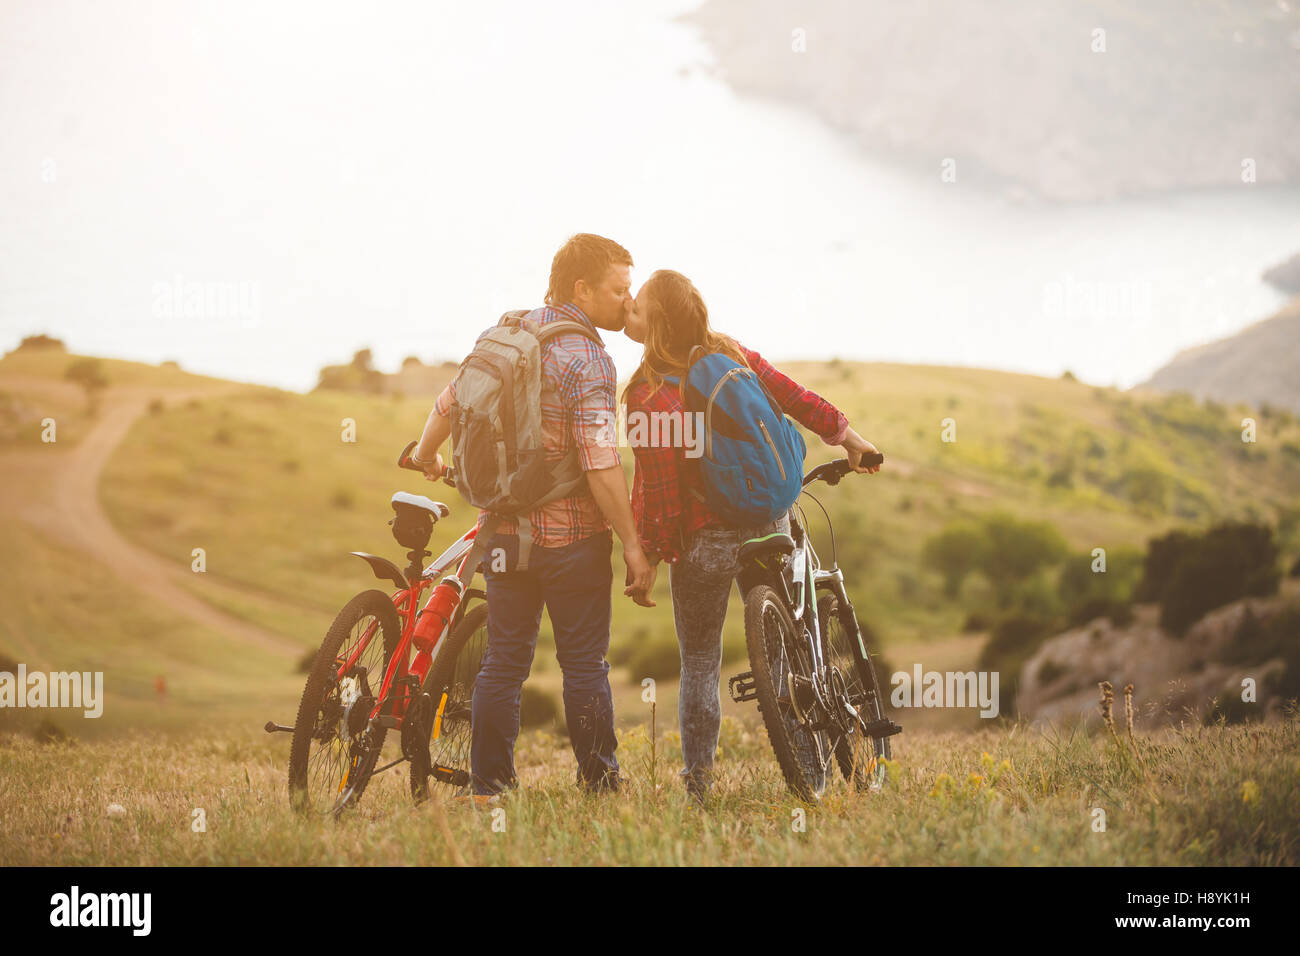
343, 719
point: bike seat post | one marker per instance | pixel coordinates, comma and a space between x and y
415, 569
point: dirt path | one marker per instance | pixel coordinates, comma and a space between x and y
56, 491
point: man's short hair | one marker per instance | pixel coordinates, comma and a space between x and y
584, 256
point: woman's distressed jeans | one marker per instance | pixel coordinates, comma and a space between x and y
701, 583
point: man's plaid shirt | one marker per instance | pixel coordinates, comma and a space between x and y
578, 394
666, 509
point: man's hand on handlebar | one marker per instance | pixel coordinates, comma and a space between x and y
433, 470
855, 446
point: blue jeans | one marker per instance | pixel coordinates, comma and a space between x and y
573, 582
701, 584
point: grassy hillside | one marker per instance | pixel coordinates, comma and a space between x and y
263, 481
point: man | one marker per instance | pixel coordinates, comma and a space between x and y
568, 568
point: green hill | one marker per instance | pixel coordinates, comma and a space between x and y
263, 481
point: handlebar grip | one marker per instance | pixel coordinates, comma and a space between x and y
448, 475
404, 459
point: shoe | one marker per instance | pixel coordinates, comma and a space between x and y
698, 785
477, 800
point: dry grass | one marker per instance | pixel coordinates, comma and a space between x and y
1006, 795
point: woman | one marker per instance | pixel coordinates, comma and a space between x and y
675, 525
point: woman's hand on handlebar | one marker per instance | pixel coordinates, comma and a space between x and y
855, 446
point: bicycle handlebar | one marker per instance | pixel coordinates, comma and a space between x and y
833, 471
448, 475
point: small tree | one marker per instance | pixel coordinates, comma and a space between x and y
954, 553
89, 374
1014, 550
41, 341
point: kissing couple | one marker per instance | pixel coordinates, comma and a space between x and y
557, 555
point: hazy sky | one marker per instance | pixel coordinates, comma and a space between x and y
257, 189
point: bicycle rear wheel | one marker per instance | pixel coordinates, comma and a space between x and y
443, 755
854, 677
333, 750
781, 661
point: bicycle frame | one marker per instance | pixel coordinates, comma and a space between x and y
399, 673
799, 584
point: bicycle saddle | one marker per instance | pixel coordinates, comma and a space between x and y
436, 508
778, 542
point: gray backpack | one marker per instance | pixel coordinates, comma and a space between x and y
496, 428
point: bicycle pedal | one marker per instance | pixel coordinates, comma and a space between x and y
742, 688
884, 727
457, 778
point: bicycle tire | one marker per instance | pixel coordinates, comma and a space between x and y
454, 670
320, 712
857, 765
800, 752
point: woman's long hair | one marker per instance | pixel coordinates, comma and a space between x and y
677, 322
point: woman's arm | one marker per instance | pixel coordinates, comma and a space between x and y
812, 411
806, 407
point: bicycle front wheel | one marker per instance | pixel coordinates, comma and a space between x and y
780, 657
853, 682
333, 750
444, 759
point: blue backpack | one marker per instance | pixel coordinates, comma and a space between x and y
752, 465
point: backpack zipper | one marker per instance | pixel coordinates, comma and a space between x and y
771, 445
708, 408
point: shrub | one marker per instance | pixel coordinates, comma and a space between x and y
156, 406
660, 659
48, 732
537, 707
343, 499
1120, 613
1015, 550
1230, 561
623, 650
88, 373
41, 341
954, 552
1014, 640
1087, 594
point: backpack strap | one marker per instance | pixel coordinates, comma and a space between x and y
551, 329
547, 330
